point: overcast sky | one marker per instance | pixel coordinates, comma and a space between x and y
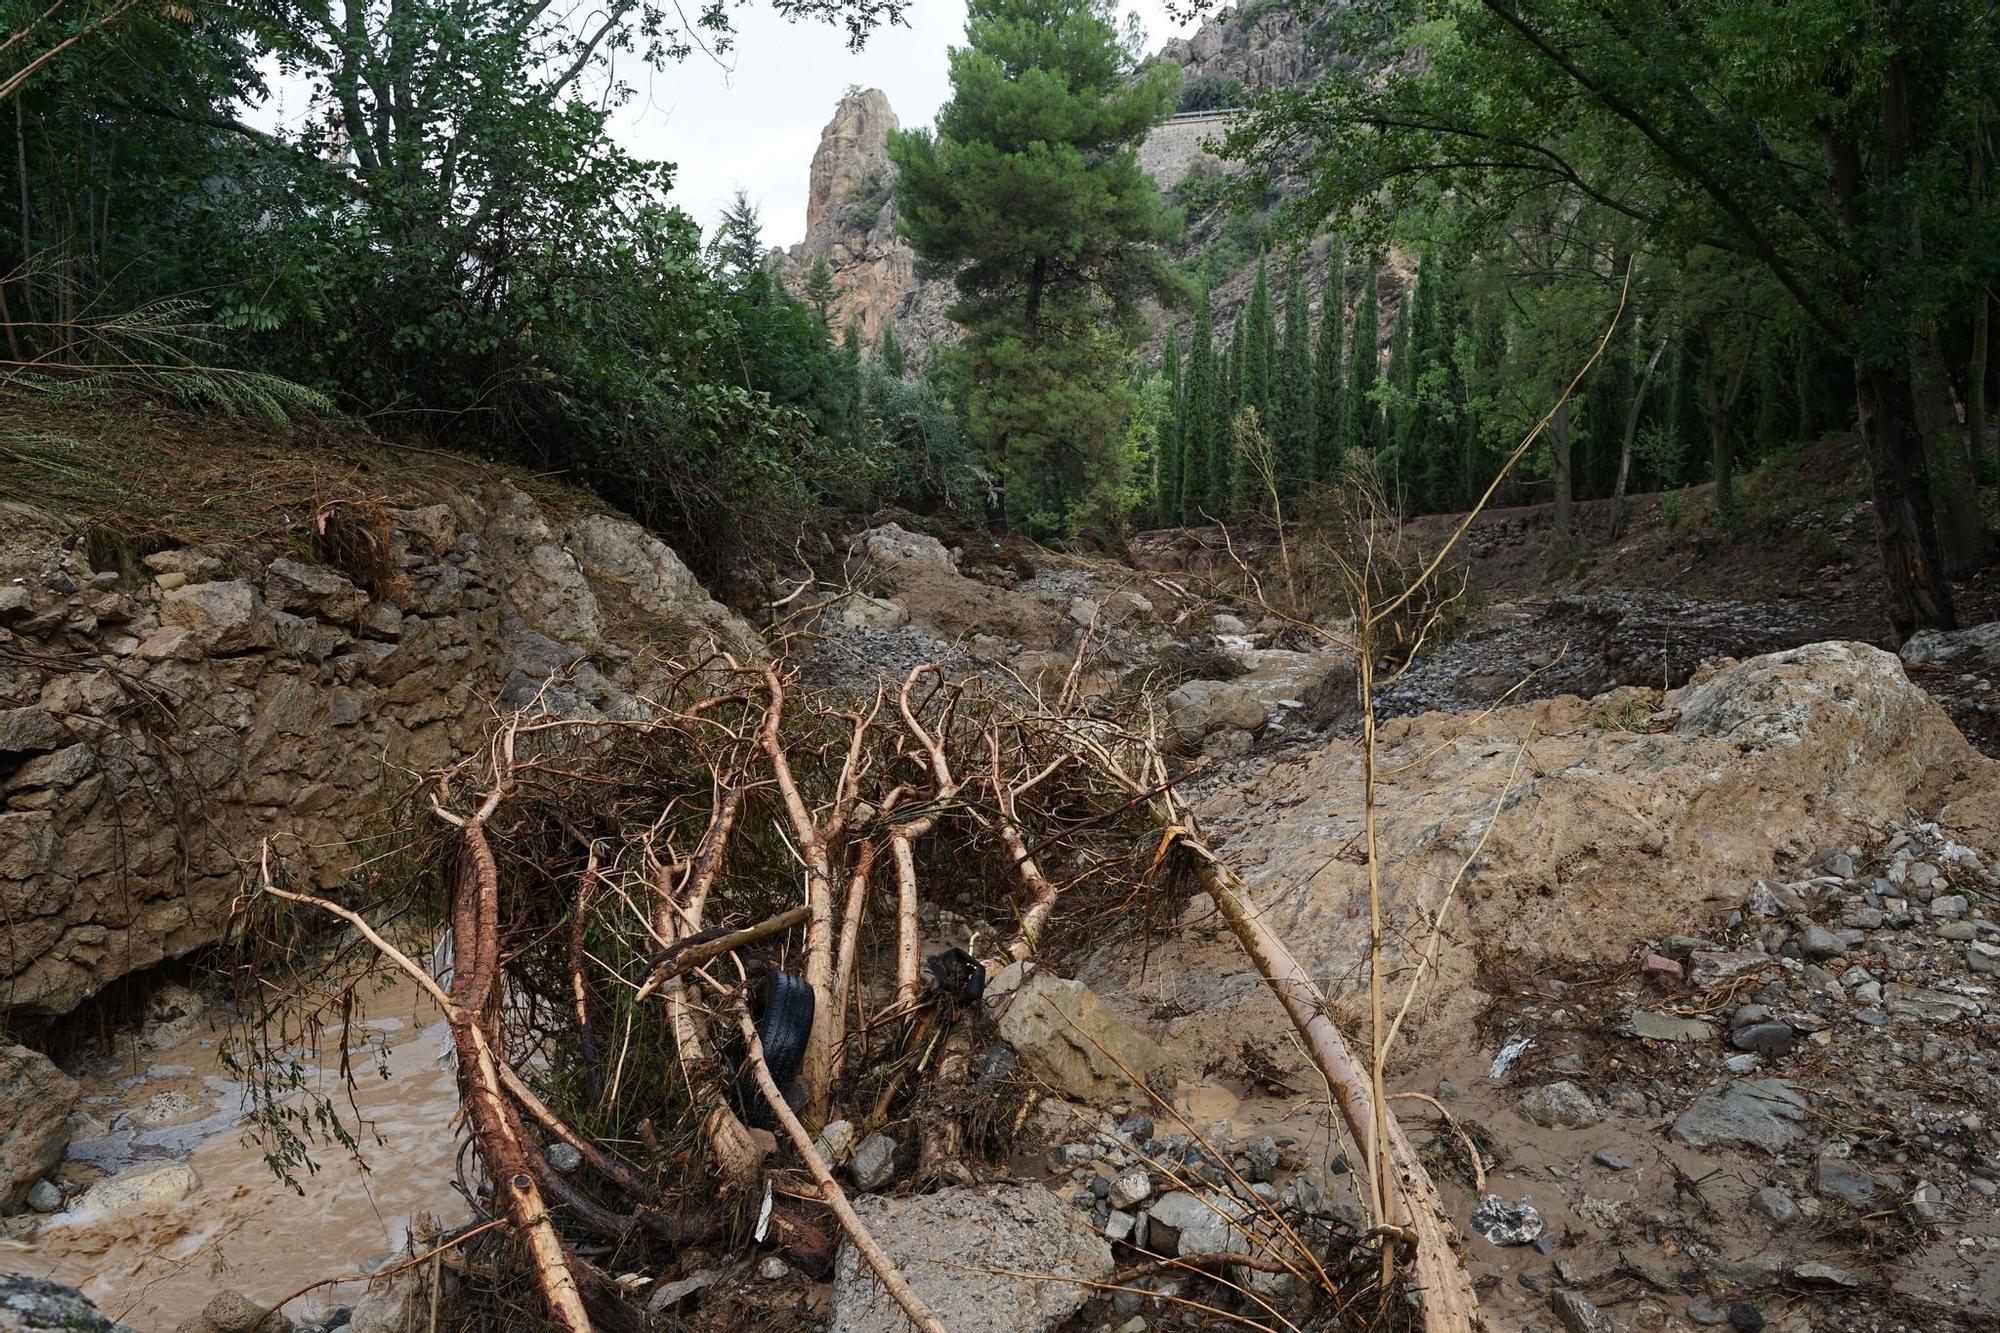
754, 120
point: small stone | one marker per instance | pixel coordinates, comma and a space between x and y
1137, 1127
836, 1142
1982, 957
1869, 992
1263, 1154
1746, 1318
1649, 1026
1118, 1225
1950, 906
1131, 1188
1746, 1014
1771, 1039
874, 1162
1775, 1204
1839, 1178
233, 1312
1743, 1064
1578, 1315
44, 1197
1925, 1203
565, 1157
1702, 1310
1561, 1105
1827, 1275
1817, 942
1610, 1161
1661, 968
773, 1268
1709, 967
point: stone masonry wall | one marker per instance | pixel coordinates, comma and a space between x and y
158, 721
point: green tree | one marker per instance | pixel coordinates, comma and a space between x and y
1029, 196
1257, 326
1833, 145
1198, 433
820, 291
1293, 395
1361, 427
1173, 428
1329, 367
889, 353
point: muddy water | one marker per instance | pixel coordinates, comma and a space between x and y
244, 1228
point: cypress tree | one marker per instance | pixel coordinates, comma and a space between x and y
1362, 423
890, 353
1293, 409
1396, 422
1329, 370
1257, 350
1167, 503
1422, 422
1221, 445
1198, 433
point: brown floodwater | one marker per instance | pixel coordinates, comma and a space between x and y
244, 1228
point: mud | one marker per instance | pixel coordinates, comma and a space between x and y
244, 1228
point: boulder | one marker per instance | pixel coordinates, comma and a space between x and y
892, 545
35, 1101
36, 1305
142, 1189
1561, 1106
223, 617
1201, 707
959, 1250
1071, 1039
1972, 649
858, 610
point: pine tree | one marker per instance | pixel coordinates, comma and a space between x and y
1395, 423
1028, 194
1167, 500
1420, 438
1257, 325
737, 252
1198, 433
890, 353
1329, 368
1361, 431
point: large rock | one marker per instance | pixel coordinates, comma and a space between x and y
35, 1101
1976, 648
143, 1189
1188, 1224
892, 544
949, 1246
1200, 708
1072, 1040
36, 1305
1606, 837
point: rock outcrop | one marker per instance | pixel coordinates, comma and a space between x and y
1272, 49
851, 221
159, 717
1608, 832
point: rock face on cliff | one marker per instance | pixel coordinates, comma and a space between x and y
160, 716
851, 223
1266, 47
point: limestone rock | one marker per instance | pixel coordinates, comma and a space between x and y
1561, 1105
293, 585
35, 1102
857, 610
1069, 1037
1974, 648
146, 1188
947, 1243
233, 1312
1181, 1223
1199, 708
36, 1305
892, 544
224, 617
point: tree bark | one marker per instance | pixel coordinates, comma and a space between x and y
1965, 544
1918, 597
1559, 453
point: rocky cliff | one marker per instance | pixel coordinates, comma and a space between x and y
162, 714
851, 222
1254, 47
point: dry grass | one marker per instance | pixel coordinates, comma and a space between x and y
158, 477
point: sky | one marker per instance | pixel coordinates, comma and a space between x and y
753, 120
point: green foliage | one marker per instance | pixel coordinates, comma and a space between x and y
1198, 443
1029, 196
1170, 470
1361, 421
1330, 368
1211, 92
